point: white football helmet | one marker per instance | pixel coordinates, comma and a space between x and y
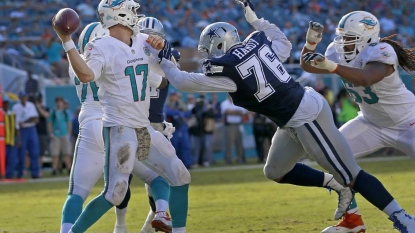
90, 31
151, 26
124, 12
361, 25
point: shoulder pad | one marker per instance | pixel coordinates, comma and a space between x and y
254, 33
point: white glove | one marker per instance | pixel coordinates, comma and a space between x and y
320, 61
314, 35
249, 10
169, 130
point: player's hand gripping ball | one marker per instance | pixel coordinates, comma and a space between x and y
66, 21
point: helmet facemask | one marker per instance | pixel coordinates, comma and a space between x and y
346, 39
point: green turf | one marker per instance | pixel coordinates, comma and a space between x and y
226, 201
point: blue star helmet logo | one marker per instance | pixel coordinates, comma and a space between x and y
212, 33
368, 22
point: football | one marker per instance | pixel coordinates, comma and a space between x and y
67, 21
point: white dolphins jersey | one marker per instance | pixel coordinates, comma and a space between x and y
386, 103
124, 80
91, 108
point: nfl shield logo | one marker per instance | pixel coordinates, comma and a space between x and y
146, 51
133, 51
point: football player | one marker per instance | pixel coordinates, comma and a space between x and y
368, 67
257, 81
89, 153
156, 219
120, 63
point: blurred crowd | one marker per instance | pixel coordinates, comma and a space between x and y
25, 24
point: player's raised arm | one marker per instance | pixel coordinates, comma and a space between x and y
313, 37
280, 44
189, 82
81, 69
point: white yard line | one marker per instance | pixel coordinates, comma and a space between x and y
225, 168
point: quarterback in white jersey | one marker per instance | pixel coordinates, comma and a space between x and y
89, 149
121, 62
368, 67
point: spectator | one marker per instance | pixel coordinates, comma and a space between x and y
54, 54
32, 85
59, 128
41, 127
176, 113
348, 108
262, 130
12, 138
86, 9
233, 118
27, 118
215, 104
196, 126
209, 128
190, 101
17, 13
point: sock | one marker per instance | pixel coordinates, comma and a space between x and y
353, 209
120, 213
178, 201
303, 175
391, 208
373, 191
70, 212
179, 230
331, 183
92, 212
150, 217
160, 190
162, 205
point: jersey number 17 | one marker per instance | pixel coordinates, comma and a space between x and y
139, 70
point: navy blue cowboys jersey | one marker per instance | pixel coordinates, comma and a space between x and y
157, 99
263, 85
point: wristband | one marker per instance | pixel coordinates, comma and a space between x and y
331, 66
68, 45
311, 47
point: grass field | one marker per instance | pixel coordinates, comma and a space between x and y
234, 201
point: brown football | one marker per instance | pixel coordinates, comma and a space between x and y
67, 21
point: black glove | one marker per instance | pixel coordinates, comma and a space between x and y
165, 52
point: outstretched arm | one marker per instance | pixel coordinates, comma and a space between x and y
280, 44
184, 81
195, 82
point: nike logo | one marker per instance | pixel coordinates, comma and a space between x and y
383, 48
412, 124
89, 48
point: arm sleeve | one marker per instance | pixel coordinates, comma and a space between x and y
154, 80
95, 59
196, 82
280, 44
